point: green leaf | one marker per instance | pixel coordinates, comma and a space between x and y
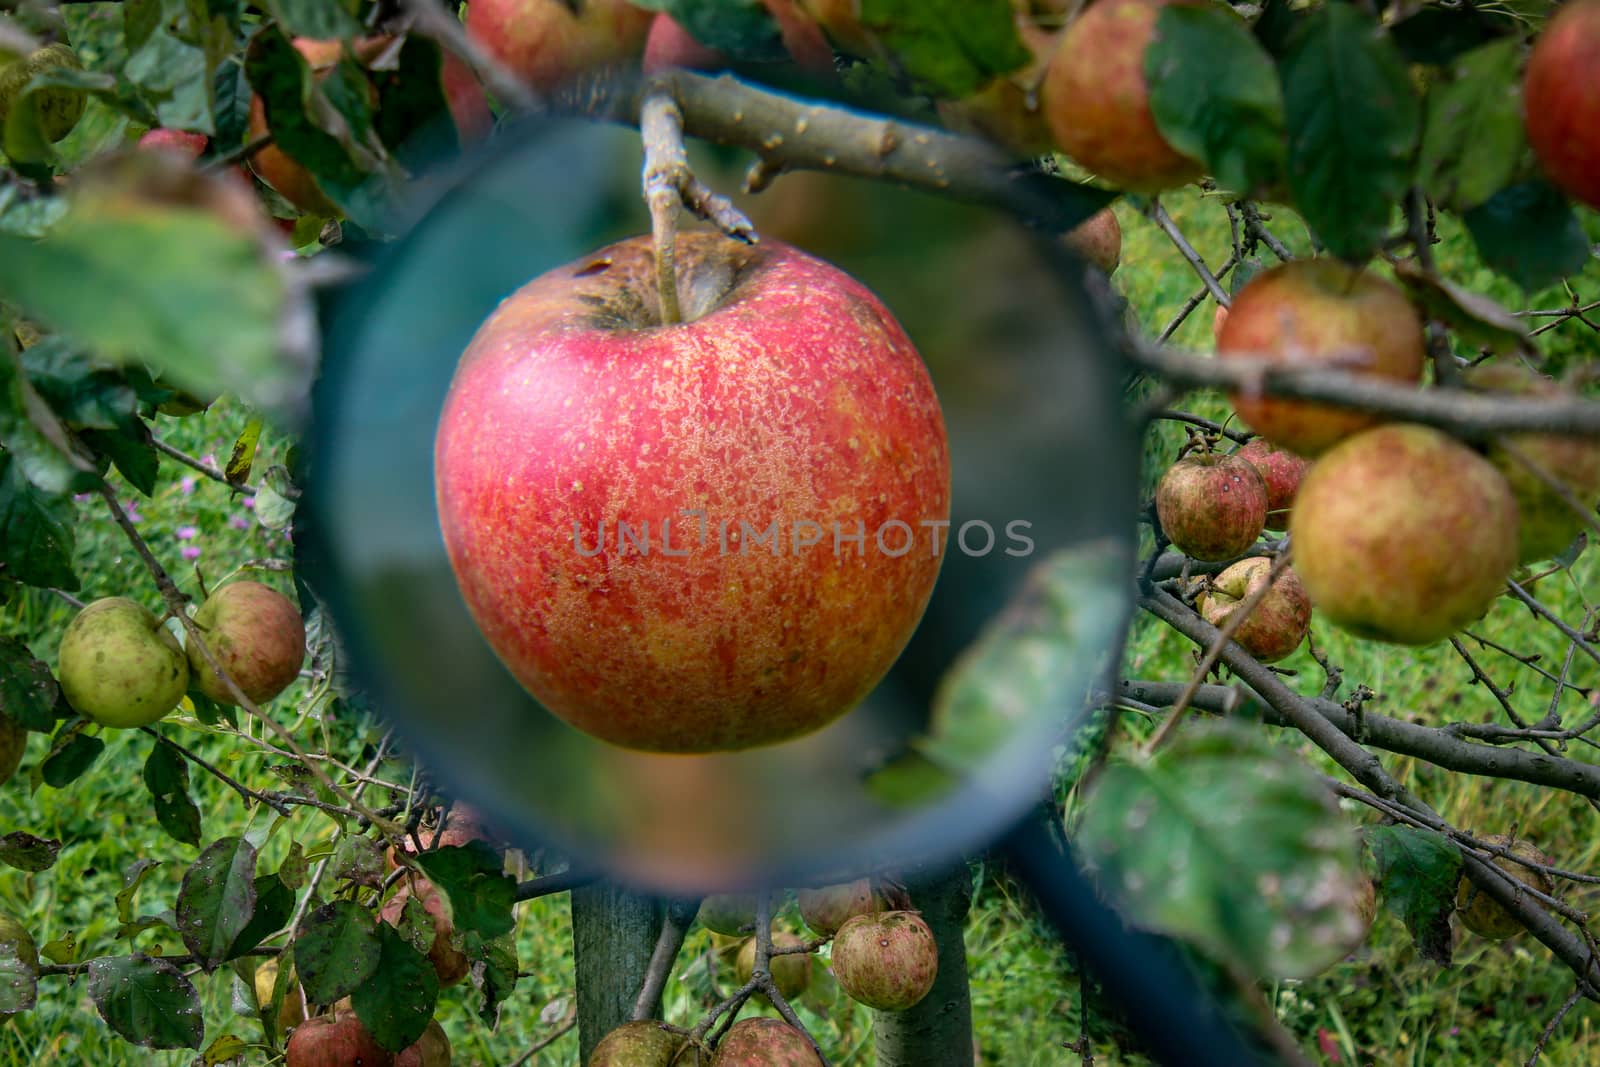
209, 712
397, 1002
86, 394
29, 216
131, 452
36, 538
413, 117
63, 949
1019, 670
1354, 119
1472, 139
275, 505
178, 816
28, 691
1215, 95
173, 76
295, 867
146, 1001
165, 771
243, 456
1474, 318
337, 951
72, 754
19, 975
1437, 35
96, 33
274, 906
1231, 842
742, 29
225, 1049
1417, 872
28, 853
359, 860
217, 899
910, 781
34, 436
1529, 233
132, 879
196, 298
949, 48
473, 880
500, 972
319, 19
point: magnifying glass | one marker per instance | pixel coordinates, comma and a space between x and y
1041, 480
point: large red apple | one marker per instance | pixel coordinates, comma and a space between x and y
1546, 521
1403, 534
1098, 104
655, 526
1281, 469
449, 962
180, 142
256, 634
887, 960
1319, 312
335, 1042
1211, 507
545, 43
764, 1042
1276, 625
1561, 99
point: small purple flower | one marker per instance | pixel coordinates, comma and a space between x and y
132, 508
209, 459
79, 498
238, 522
191, 551
249, 502
187, 486
186, 533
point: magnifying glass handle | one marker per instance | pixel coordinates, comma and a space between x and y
1177, 1019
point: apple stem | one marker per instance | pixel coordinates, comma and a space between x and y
669, 184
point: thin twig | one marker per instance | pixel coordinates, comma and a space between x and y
243, 790
1158, 214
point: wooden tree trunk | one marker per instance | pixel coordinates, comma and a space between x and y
613, 935
938, 1031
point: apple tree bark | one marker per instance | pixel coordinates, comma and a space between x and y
938, 1031
614, 933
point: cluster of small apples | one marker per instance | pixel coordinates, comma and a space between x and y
883, 958
121, 667
1400, 532
339, 1038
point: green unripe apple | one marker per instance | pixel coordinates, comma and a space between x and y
257, 635
120, 666
13, 740
647, 1043
59, 109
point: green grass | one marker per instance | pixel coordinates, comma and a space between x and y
1382, 1006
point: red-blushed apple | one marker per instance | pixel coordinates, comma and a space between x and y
120, 666
644, 1043
463, 825
1211, 506
1561, 99
1546, 521
465, 98
1007, 110
1281, 469
180, 142
887, 960
828, 908
1403, 534
13, 743
256, 634
1098, 239
1218, 321
1486, 916
432, 1049
547, 45
655, 527
1320, 312
670, 45
1098, 105
1277, 625
449, 962
791, 971
764, 1042
328, 1041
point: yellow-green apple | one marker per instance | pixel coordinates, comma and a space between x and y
180, 142
764, 1042
335, 1041
1007, 111
1098, 239
432, 1049
1211, 506
449, 962
13, 743
1486, 916
1403, 534
645, 1043
1097, 102
120, 666
59, 109
256, 634
1546, 521
656, 526
791, 972
828, 908
887, 960
16, 942
730, 914
293, 1010
1281, 469
1561, 99
547, 44
1324, 313
1277, 624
